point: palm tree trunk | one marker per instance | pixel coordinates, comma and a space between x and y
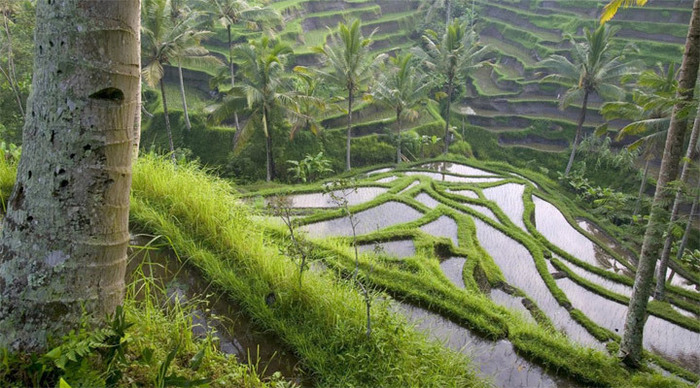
65, 234
398, 136
448, 13
642, 186
12, 76
270, 162
579, 133
184, 98
631, 344
685, 173
349, 131
233, 83
448, 109
167, 121
688, 227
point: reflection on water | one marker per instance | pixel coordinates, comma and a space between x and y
370, 220
495, 360
608, 284
483, 210
553, 226
399, 249
509, 198
453, 178
660, 336
511, 302
409, 187
427, 200
236, 333
518, 267
442, 227
452, 268
465, 193
387, 179
455, 168
324, 200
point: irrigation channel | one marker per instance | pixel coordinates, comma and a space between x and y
212, 313
481, 211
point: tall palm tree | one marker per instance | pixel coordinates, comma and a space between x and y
233, 12
649, 112
631, 344
167, 40
348, 65
456, 54
265, 89
596, 68
402, 87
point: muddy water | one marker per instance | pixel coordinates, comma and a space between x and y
398, 249
509, 198
518, 267
442, 227
494, 360
236, 333
452, 268
324, 200
553, 226
455, 168
660, 336
387, 214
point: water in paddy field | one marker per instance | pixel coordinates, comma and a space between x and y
370, 220
323, 200
235, 332
497, 359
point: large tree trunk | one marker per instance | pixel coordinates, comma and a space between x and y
184, 98
579, 133
167, 121
64, 238
631, 344
448, 111
685, 174
349, 131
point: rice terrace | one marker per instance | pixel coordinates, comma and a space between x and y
361, 193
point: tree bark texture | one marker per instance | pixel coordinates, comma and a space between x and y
631, 344
668, 241
579, 133
65, 234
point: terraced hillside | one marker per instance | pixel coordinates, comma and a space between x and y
505, 105
487, 250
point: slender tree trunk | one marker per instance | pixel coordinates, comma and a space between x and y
579, 133
167, 121
349, 132
448, 13
631, 344
688, 227
270, 161
685, 174
398, 136
233, 83
642, 186
184, 98
448, 112
65, 234
12, 75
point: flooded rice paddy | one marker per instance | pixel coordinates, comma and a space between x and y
526, 288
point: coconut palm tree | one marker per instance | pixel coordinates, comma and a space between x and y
631, 344
401, 87
234, 12
166, 41
595, 68
450, 59
348, 65
264, 90
611, 8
